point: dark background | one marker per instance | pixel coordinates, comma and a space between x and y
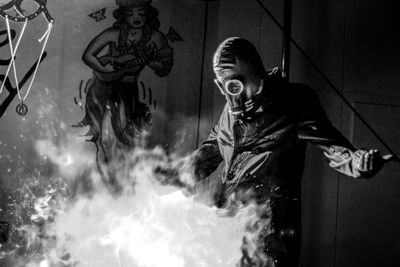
346, 222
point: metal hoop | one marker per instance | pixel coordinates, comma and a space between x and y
15, 3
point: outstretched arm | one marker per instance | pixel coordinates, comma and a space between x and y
315, 127
185, 174
207, 157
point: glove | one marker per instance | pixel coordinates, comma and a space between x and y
371, 162
170, 175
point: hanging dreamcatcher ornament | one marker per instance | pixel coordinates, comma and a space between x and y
24, 11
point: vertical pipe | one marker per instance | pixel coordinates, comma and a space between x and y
287, 31
202, 72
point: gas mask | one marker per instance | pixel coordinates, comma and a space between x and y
239, 76
243, 102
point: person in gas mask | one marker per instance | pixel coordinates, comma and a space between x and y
261, 135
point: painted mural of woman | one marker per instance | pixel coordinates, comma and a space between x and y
131, 44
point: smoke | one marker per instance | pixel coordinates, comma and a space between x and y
64, 214
70, 157
150, 222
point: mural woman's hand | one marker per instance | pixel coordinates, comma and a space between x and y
118, 64
107, 69
107, 64
151, 51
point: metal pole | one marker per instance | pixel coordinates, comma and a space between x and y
396, 158
287, 25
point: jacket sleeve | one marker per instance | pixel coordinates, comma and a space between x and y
314, 126
207, 157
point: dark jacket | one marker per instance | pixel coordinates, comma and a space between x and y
268, 150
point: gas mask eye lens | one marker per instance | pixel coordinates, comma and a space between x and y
234, 87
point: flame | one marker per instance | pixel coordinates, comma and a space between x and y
146, 225
142, 228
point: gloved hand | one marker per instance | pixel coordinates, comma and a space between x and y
171, 174
371, 162
168, 176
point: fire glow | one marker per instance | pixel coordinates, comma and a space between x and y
146, 225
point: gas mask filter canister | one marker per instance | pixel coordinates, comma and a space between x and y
232, 87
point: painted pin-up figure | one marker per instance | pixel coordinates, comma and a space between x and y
131, 44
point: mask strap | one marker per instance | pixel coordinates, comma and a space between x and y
260, 88
219, 85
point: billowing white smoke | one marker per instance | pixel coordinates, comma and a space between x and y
71, 156
147, 224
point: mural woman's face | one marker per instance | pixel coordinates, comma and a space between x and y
135, 16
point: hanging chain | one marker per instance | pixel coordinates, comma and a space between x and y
45, 36
21, 108
13, 52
